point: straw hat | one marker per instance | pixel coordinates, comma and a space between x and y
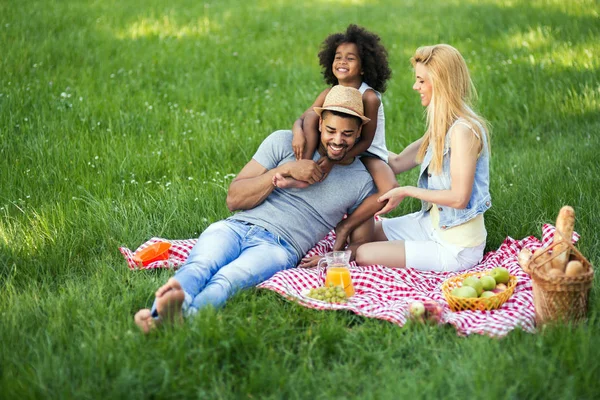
346, 100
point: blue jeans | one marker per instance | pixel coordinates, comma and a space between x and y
229, 256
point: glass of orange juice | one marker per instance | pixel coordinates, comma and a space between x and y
338, 273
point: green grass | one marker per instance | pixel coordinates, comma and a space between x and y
120, 121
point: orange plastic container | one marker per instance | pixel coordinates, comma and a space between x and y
155, 252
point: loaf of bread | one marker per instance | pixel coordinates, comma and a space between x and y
574, 268
565, 224
524, 258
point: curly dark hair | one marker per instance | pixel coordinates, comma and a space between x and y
373, 56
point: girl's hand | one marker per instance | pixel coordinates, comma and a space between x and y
393, 198
298, 144
325, 165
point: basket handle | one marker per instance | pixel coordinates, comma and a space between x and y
570, 247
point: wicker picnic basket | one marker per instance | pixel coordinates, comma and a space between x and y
487, 303
559, 298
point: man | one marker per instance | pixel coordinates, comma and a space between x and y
278, 225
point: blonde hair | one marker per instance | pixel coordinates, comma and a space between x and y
452, 91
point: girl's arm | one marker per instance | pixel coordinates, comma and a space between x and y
407, 159
306, 130
463, 160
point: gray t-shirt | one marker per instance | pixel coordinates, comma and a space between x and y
302, 217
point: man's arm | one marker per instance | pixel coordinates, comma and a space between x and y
361, 235
254, 183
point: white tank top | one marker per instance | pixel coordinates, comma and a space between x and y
378, 147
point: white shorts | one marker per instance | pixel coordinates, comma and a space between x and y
423, 247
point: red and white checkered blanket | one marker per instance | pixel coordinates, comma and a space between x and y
385, 293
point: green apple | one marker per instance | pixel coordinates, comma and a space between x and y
487, 293
488, 282
475, 283
465, 291
500, 275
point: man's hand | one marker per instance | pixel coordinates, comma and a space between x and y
309, 262
341, 236
298, 144
306, 170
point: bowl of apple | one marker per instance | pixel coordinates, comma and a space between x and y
484, 290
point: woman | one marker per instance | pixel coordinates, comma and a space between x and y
448, 234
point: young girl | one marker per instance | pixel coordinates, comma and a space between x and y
448, 234
355, 58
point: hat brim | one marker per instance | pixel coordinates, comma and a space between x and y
343, 110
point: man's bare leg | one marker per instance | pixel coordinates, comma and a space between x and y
169, 299
285, 182
143, 319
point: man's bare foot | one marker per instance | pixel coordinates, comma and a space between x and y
283, 182
143, 319
169, 299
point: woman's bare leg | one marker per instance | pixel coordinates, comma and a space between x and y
388, 253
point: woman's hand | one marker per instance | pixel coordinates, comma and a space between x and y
393, 198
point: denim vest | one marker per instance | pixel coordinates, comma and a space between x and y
480, 199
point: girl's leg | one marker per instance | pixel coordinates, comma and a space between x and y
385, 180
312, 135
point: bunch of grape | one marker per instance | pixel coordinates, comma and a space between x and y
331, 294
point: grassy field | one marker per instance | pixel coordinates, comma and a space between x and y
123, 120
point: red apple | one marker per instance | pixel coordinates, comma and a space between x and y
501, 287
416, 309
